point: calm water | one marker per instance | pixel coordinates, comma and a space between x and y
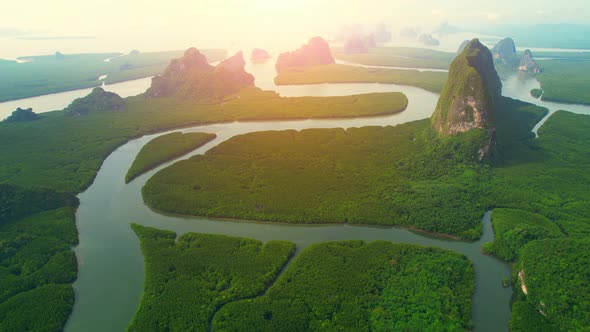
59, 101
518, 88
111, 270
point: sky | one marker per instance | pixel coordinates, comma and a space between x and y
120, 25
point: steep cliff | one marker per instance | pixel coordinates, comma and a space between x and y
469, 96
315, 52
192, 77
528, 64
504, 52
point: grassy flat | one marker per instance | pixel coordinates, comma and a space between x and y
189, 279
358, 286
427, 80
565, 81
164, 148
399, 57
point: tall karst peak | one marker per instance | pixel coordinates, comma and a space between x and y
191, 76
469, 97
315, 52
505, 52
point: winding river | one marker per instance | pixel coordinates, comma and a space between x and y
111, 268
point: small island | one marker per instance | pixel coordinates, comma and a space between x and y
164, 148
536, 93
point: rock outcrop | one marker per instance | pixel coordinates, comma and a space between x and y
22, 115
359, 45
462, 46
505, 52
259, 55
381, 34
232, 75
469, 97
98, 100
192, 77
315, 52
428, 40
528, 64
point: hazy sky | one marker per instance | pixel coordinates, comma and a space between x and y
165, 24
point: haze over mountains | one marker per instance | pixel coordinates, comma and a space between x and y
35, 30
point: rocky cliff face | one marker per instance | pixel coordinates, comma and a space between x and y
315, 52
469, 96
192, 77
528, 64
505, 52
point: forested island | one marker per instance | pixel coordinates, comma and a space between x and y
165, 148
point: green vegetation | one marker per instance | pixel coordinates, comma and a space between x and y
428, 80
513, 229
547, 180
549, 176
555, 273
404, 175
357, 286
399, 175
97, 101
22, 115
164, 148
409, 57
65, 152
469, 97
565, 81
37, 265
536, 93
189, 279
51, 74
